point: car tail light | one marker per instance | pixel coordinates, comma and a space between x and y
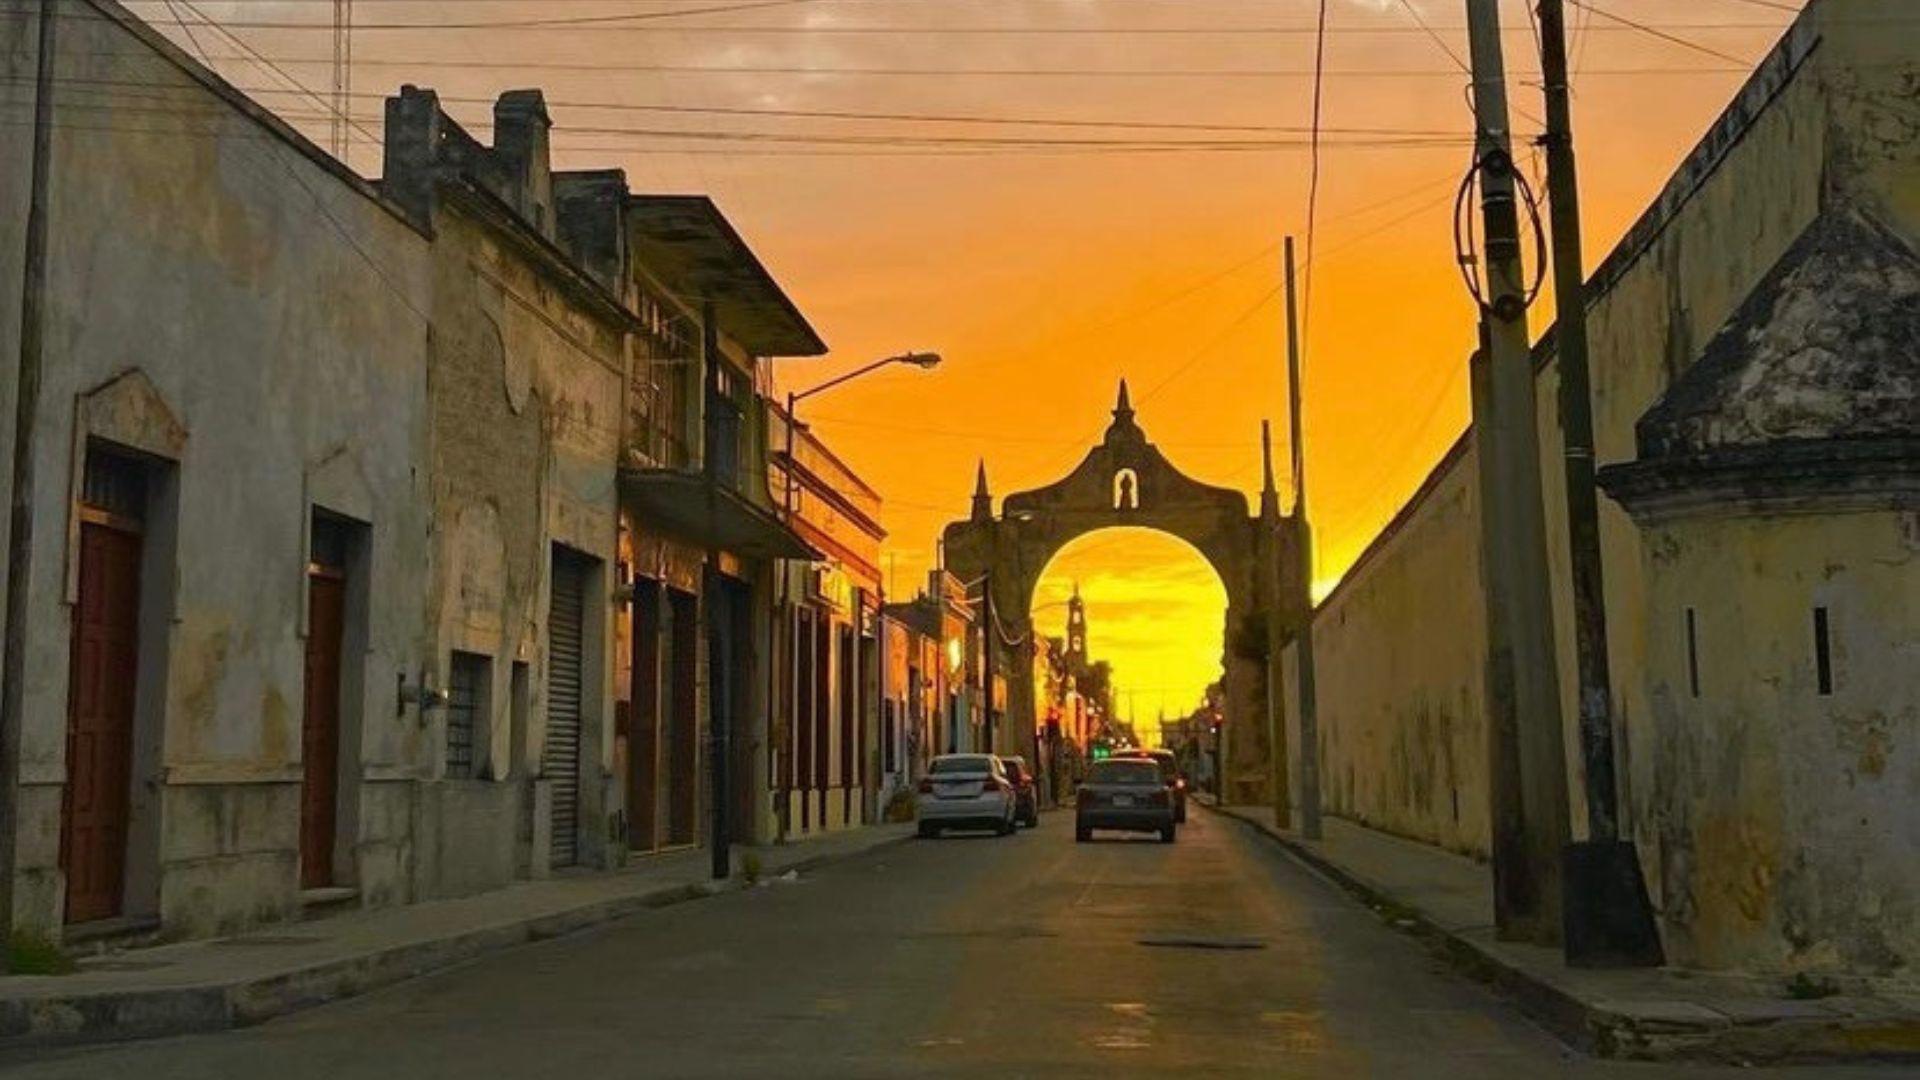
1162, 797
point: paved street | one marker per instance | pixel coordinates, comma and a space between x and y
1024, 956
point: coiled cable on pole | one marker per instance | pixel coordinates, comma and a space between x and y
1466, 243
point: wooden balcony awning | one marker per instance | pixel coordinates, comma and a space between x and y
695, 510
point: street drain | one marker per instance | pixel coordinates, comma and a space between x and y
1230, 944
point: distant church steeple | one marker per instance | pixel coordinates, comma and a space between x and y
982, 497
1076, 625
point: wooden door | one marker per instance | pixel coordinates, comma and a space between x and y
320, 729
100, 700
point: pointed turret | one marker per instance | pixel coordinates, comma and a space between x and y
982, 496
1124, 410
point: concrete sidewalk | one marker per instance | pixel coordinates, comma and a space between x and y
1665, 1014
233, 982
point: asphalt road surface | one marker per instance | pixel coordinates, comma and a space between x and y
1025, 956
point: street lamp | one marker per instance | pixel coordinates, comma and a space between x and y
925, 361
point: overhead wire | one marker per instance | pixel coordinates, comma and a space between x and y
1663, 35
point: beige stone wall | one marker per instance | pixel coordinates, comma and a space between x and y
1399, 651
1782, 821
1830, 117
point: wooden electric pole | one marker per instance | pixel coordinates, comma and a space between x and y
26, 404
1523, 677
1273, 534
986, 661
1303, 596
1609, 921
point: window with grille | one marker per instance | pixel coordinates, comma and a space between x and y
466, 714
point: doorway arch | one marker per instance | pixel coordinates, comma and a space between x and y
1125, 481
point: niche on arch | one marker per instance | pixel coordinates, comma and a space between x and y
1126, 490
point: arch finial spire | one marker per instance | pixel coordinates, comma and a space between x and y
1123, 410
982, 495
1269, 488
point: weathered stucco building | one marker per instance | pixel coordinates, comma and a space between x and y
829, 681
526, 375
1755, 364
394, 541
230, 511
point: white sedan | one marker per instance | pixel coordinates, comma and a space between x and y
965, 791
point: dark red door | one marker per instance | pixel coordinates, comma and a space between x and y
105, 663
320, 729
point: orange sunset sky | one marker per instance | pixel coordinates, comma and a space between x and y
1047, 261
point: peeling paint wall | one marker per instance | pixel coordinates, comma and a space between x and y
526, 402
1832, 116
227, 299
1784, 820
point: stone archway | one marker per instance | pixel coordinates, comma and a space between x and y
1125, 481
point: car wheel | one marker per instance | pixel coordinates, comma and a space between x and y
1166, 834
1082, 834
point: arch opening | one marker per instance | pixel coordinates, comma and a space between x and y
1130, 631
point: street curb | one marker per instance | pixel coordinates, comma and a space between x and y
1615, 1033
120, 1016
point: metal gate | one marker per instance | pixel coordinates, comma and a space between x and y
560, 760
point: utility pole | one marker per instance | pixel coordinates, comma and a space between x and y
1523, 677
1303, 598
342, 120
26, 405
1609, 921
716, 611
1271, 529
986, 660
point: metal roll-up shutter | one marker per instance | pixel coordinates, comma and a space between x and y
560, 761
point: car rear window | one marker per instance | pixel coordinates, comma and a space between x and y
1164, 762
977, 764
1114, 771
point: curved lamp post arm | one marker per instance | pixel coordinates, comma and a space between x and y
919, 360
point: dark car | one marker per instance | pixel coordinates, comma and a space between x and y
1124, 794
1169, 773
1026, 793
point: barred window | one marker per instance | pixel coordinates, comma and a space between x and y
466, 714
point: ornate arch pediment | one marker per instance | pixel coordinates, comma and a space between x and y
1123, 477
1124, 481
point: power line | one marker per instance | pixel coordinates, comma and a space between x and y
1313, 176
1421, 22
918, 117
649, 23
1654, 31
555, 66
